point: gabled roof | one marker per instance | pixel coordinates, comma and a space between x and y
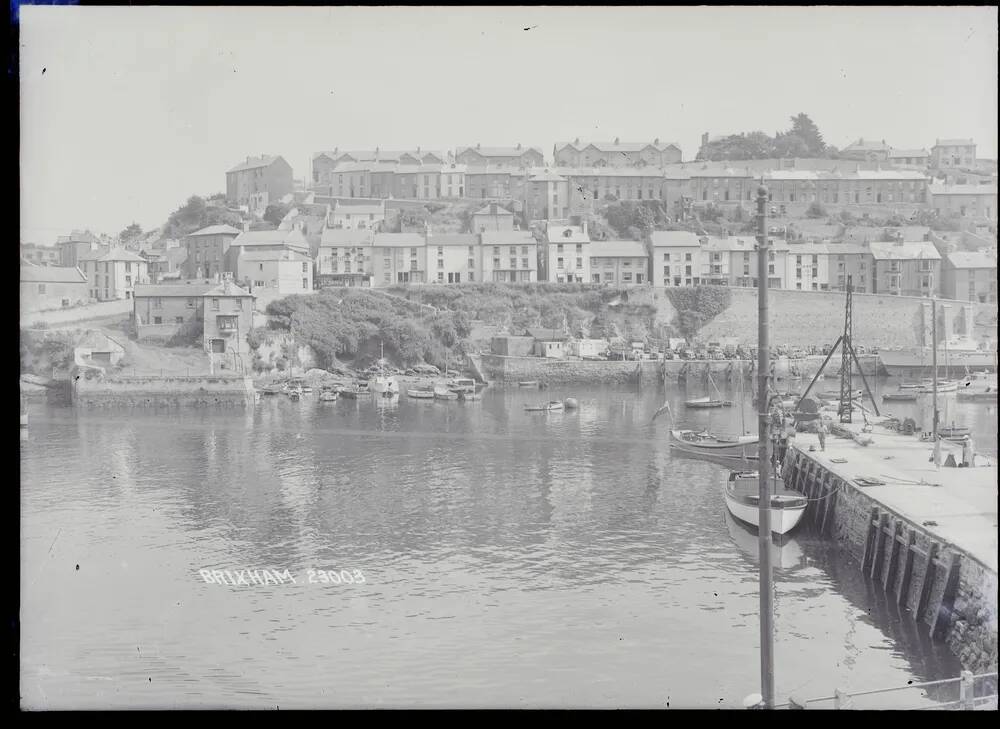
869, 146
618, 249
954, 143
674, 238
971, 259
214, 230
903, 252
499, 151
251, 238
52, 274
227, 288
547, 176
909, 153
105, 253
253, 163
810, 248
340, 237
187, 289
402, 240
618, 146
255, 256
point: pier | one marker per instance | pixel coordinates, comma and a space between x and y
925, 535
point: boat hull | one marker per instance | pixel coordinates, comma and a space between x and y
902, 362
420, 394
782, 520
746, 449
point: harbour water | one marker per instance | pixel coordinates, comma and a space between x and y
508, 559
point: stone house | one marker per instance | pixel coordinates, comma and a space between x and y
259, 182
52, 287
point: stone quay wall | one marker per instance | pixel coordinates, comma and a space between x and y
92, 389
497, 368
961, 609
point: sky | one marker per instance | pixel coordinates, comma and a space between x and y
126, 112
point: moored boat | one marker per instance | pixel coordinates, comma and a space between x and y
528, 383
979, 386
690, 441
551, 405
420, 394
706, 402
443, 392
742, 499
909, 395
328, 394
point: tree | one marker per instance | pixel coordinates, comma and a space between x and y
275, 213
790, 145
815, 210
806, 130
130, 233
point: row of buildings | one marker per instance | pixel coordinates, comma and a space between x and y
556, 193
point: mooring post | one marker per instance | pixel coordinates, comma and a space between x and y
967, 691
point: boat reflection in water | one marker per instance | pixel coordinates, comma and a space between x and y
786, 554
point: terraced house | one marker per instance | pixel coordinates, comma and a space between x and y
113, 273
905, 268
275, 260
952, 153
517, 156
509, 256
969, 276
399, 258
453, 257
206, 251
345, 258
618, 262
568, 253
258, 181
616, 154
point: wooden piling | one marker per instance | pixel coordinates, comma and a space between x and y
876, 564
831, 503
870, 539
941, 617
893, 557
926, 582
906, 569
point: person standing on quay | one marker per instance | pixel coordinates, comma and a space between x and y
821, 430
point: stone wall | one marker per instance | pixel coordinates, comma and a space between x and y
971, 621
514, 369
93, 388
808, 318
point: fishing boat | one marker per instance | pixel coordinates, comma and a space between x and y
708, 401
420, 394
703, 442
954, 432
443, 392
384, 383
294, 393
550, 405
908, 395
328, 394
942, 386
528, 383
353, 391
980, 386
462, 384
272, 390
742, 499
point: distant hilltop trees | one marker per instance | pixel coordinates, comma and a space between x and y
803, 139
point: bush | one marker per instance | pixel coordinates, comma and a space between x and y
698, 305
190, 333
815, 210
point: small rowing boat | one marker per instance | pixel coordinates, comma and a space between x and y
328, 394
701, 403
420, 394
443, 392
743, 498
551, 405
907, 395
745, 446
528, 383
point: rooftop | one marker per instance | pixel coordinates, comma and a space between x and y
674, 238
291, 237
618, 146
401, 240
954, 143
499, 151
52, 274
909, 153
334, 237
566, 234
215, 230
508, 238
906, 251
452, 239
184, 289
971, 259
253, 163
962, 189
494, 209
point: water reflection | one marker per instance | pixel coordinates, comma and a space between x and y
510, 558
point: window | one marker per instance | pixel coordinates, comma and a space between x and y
559, 263
559, 247
238, 304
579, 248
305, 267
472, 263
815, 273
770, 268
440, 263
513, 263
524, 250
440, 276
471, 275
413, 253
524, 263
260, 267
157, 319
798, 260
666, 257
178, 319
128, 266
687, 270
687, 257
440, 250
579, 263
496, 262
215, 304
41, 288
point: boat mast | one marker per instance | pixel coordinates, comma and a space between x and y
934, 386
764, 462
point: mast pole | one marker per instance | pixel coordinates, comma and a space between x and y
934, 387
763, 461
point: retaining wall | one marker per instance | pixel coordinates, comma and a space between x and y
948, 591
92, 388
513, 369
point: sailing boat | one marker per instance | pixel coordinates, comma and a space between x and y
384, 384
709, 444
707, 401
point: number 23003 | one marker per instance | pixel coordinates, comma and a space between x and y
333, 577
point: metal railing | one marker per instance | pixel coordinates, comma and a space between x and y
966, 686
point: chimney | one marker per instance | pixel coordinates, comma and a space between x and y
248, 160
704, 139
617, 140
585, 228
656, 141
477, 145
576, 141
519, 145
246, 226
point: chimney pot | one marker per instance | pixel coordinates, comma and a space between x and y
616, 140
477, 145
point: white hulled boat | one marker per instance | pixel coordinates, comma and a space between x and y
742, 500
705, 443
